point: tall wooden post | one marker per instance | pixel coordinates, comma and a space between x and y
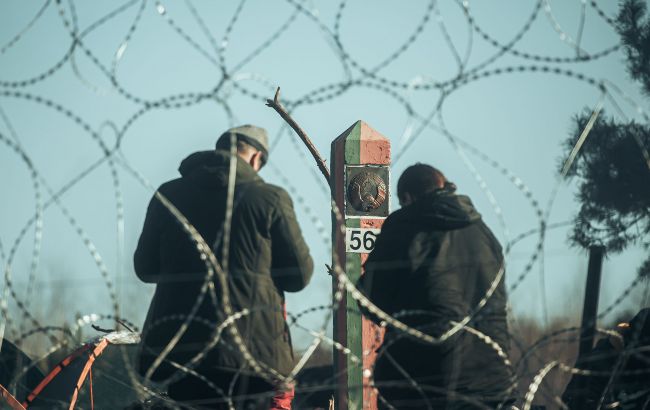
592, 293
360, 158
589, 316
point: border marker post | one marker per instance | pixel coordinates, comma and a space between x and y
360, 159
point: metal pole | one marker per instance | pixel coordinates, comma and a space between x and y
589, 316
590, 307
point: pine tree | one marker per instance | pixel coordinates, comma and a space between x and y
613, 167
634, 28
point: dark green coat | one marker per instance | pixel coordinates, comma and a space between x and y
437, 257
268, 256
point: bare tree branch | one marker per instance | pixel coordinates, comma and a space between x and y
279, 108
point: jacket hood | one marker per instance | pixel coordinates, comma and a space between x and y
443, 210
211, 168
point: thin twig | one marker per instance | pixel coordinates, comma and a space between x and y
99, 329
279, 108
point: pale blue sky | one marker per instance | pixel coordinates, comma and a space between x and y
518, 119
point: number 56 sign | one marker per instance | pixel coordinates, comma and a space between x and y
360, 240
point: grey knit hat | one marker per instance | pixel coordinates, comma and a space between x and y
254, 136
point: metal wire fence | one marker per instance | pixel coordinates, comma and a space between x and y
477, 55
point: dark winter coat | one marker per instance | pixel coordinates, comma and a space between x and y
267, 256
437, 257
621, 370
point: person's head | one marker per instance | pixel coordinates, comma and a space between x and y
252, 144
419, 180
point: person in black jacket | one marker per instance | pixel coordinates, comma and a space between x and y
433, 263
616, 372
267, 256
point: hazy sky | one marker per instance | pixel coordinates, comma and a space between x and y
389, 64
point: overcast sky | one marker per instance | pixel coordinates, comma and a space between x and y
389, 64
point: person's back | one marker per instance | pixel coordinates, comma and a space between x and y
266, 256
618, 369
433, 263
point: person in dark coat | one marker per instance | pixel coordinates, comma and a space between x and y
267, 256
432, 264
618, 369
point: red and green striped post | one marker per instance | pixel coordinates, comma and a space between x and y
360, 159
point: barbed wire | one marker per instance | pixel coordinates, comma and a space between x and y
233, 82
